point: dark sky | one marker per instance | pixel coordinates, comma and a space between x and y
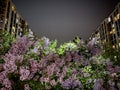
64, 19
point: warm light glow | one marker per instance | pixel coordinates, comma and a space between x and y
16, 20
13, 33
115, 56
113, 46
6, 20
119, 44
112, 32
117, 17
13, 27
13, 8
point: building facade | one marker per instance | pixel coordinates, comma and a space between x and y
108, 32
11, 20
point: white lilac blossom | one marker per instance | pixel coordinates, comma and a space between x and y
46, 41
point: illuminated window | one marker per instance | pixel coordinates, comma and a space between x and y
119, 44
109, 19
20, 34
16, 20
115, 18
112, 32
12, 33
118, 16
6, 20
13, 29
115, 56
13, 8
113, 46
113, 25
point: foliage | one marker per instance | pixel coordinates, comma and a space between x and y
113, 54
37, 64
5, 42
66, 47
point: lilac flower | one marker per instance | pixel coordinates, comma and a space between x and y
112, 85
71, 83
66, 84
36, 78
7, 83
53, 82
12, 59
68, 56
35, 50
31, 75
9, 57
50, 69
4, 88
21, 46
91, 46
117, 69
64, 70
26, 87
89, 80
19, 59
46, 41
24, 73
43, 63
85, 62
113, 69
75, 56
98, 84
61, 76
44, 79
86, 75
91, 43
62, 62
33, 65
10, 66
3, 75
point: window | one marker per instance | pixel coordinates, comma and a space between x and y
109, 19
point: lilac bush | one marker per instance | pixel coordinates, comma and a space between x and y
36, 64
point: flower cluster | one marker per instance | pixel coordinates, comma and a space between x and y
39, 65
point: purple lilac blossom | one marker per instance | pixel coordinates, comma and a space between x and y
24, 73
